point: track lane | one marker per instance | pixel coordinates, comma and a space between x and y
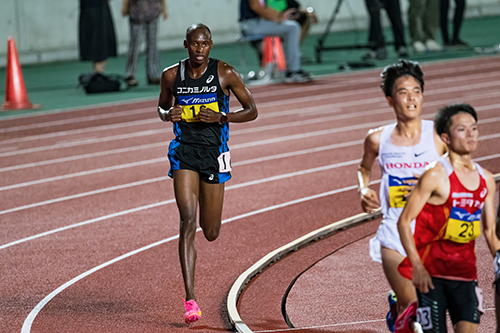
272, 191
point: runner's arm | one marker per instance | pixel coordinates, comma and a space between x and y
369, 198
425, 188
166, 110
488, 215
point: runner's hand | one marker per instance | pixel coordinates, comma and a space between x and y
411, 185
421, 279
369, 200
208, 115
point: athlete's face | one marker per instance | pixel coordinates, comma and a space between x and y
198, 44
463, 134
407, 98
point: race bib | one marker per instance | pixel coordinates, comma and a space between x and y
462, 226
424, 317
224, 162
190, 105
397, 193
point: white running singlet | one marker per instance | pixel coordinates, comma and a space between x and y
397, 164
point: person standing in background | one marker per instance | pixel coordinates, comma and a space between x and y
376, 39
423, 24
143, 17
457, 23
96, 31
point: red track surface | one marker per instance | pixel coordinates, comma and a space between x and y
81, 190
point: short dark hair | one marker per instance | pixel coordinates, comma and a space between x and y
402, 68
442, 121
197, 26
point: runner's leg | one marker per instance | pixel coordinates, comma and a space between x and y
186, 189
404, 289
211, 201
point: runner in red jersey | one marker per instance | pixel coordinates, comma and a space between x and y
452, 200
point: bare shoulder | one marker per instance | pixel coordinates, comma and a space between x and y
373, 136
226, 71
229, 77
435, 173
170, 72
490, 179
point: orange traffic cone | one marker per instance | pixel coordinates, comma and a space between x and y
273, 53
15, 91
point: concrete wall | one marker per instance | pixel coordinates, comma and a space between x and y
47, 30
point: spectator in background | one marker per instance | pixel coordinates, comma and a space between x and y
256, 19
376, 40
97, 39
143, 17
423, 23
305, 17
457, 23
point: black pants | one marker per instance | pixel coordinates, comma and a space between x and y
376, 37
457, 19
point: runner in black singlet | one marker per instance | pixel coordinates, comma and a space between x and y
195, 98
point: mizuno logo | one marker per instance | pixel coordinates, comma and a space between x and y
417, 155
461, 215
210, 78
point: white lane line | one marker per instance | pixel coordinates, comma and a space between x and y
236, 186
72, 120
236, 132
84, 173
237, 146
246, 162
330, 325
84, 156
84, 142
32, 315
322, 109
327, 96
133, 210
85, 194
345, 82
96, 128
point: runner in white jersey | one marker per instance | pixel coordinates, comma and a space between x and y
399, 164
403, 149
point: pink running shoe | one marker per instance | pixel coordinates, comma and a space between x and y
409, 315
193, 312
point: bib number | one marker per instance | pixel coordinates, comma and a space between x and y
462, 226
224, 162
424, 317
397, 191
190, 113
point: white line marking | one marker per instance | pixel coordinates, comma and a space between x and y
84, 173
133, 210
84, 156
32, 315
84, 194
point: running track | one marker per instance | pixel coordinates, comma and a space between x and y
89, 223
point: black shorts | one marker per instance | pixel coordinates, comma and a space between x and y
462, 299
212, 165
